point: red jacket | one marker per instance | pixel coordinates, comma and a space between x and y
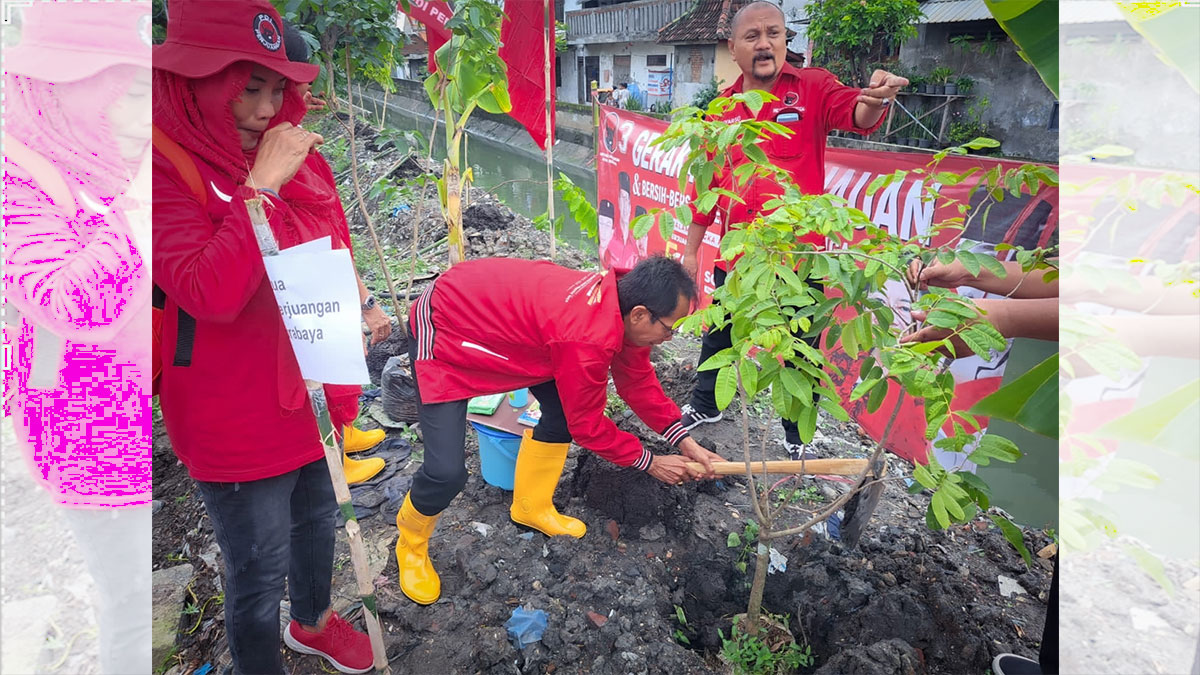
224, 412
498, 324
823, 104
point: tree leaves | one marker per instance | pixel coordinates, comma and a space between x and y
796, 384
749, 372
1014, 536
922, 475
726, 386
995, 447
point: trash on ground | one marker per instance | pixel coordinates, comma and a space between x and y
525, 626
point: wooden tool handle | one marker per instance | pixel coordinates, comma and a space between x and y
831, 467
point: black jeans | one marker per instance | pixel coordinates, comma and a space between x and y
1048, 655
444, 432
704, 398
272, 531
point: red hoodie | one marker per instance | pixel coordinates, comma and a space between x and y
239, 411
498, 324
811, 103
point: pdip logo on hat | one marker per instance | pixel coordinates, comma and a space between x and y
267, 32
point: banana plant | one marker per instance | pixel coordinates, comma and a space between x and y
470, 75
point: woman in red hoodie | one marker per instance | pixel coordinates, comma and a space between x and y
227, 115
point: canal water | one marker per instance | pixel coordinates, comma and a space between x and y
510, 175
1028, 489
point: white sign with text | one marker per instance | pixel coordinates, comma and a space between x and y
317, 294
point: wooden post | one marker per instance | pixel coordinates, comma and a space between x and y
941, 138
820, 467
549, 129
333, 458
596, 146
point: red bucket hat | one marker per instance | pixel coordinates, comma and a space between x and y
205, 36
69, 41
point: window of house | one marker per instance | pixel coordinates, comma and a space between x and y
653, 60
558, 71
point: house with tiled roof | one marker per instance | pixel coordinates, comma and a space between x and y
615, 41
700, 40
679, 43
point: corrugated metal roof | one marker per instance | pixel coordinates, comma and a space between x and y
947, 11
1088, 11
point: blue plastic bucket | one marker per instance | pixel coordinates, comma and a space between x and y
497, 456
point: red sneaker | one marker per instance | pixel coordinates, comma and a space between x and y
346, 649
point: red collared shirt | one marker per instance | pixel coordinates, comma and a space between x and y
821, 103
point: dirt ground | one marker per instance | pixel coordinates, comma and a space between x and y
906, 600
49, 621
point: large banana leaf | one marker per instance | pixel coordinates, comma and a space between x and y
1171, 28
1030, 401
1033, 27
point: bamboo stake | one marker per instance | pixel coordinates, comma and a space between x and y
358, 553
549, 131
333, 459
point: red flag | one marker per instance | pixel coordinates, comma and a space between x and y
523, 38
434, 14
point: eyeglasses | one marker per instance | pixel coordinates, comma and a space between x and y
665, 325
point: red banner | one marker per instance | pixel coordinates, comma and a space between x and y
434, 14
635, 177
525, 45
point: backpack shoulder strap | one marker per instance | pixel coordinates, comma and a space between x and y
48, 178
48, 348
183, 163
186, 166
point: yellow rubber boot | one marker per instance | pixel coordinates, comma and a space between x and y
539, 466
357, 440
418, 579
361, 470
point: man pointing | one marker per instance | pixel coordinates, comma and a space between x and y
811, 102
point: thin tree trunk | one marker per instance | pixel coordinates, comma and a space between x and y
391, 78
333, 98
362, 204
761, 563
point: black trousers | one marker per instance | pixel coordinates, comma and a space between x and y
1048, 654
444, 430
704, 398
271, 531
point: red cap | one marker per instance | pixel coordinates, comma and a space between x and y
205, 36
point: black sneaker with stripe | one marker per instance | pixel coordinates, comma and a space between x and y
797, 451
693, 418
